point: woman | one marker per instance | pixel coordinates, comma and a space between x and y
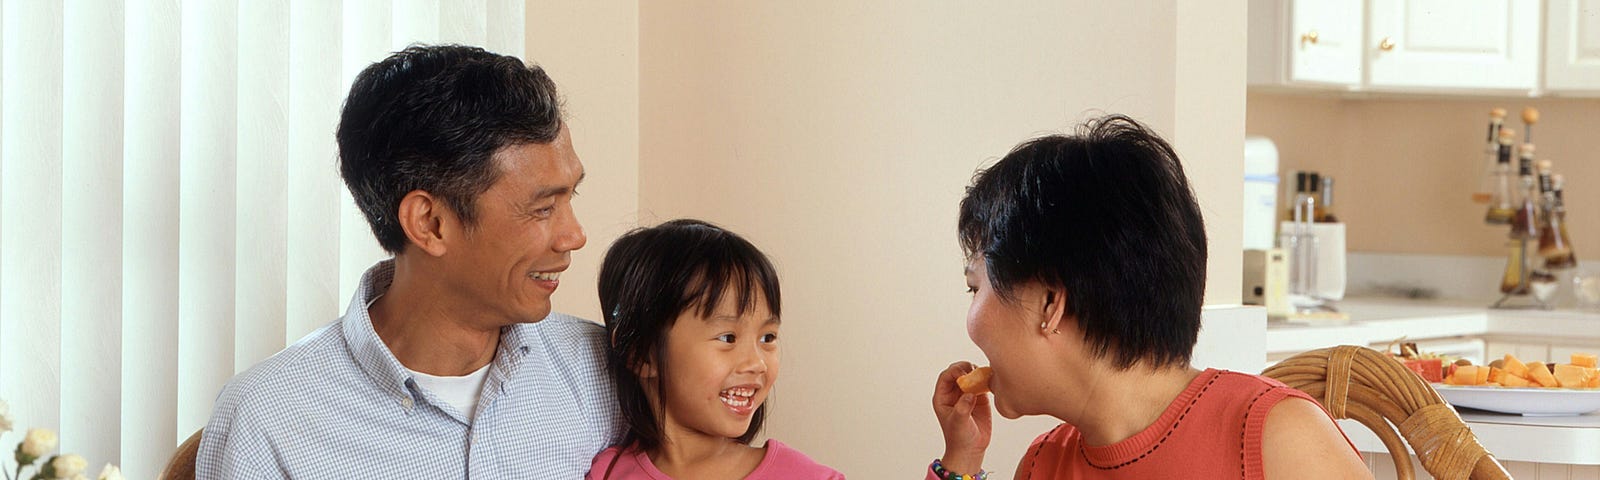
1086, 260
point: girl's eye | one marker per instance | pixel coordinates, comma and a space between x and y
769, 338
725, 338
972, 290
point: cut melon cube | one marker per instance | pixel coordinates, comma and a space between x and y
1541, 375
1584, 360
1515, 367
1570, 376
1466, 375
1482, 376
1514, 381
1496, 375
1594, 382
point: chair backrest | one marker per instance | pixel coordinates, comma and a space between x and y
181, 466
1372, 388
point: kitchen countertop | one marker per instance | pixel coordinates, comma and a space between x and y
1571, 440
1381, 320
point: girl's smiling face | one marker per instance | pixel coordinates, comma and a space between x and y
720, 368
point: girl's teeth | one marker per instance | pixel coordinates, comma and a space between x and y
545, 275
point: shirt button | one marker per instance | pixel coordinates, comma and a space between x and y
406, 402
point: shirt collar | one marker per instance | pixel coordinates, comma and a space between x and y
380, 364
370, 353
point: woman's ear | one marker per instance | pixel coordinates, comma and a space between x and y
423, 218
1055, 310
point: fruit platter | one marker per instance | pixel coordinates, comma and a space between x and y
1510, 385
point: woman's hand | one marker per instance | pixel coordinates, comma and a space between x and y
965, 419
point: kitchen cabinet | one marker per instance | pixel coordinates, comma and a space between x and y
1572, 40
1453, 44
1309, 43
1463, 46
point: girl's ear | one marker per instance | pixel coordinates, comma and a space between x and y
646, 368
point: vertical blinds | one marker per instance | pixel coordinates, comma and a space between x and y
170, 206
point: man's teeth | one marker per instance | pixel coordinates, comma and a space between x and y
545, 275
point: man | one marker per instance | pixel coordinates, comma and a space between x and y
448, 362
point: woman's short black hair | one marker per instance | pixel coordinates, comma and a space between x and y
649, 277
1107, 215
431, 118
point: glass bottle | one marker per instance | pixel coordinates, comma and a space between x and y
1325, 200
1500, 207
1525, 219
1305, 192
1514, 281
1485, 191
1554, 245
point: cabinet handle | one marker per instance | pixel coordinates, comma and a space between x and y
1387, 44
1308, 37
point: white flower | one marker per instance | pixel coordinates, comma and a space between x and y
69, 465
110, 472
38, 442
5, 423
78, 477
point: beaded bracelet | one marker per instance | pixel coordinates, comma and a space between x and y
939, 471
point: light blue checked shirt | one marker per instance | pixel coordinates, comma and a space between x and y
337, 404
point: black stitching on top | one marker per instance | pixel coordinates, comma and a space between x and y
1034, 459
1164, 437
1243, 428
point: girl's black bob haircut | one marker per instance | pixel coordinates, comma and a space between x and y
649, 277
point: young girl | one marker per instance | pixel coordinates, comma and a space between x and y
692, 313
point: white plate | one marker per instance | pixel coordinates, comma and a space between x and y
1524, 401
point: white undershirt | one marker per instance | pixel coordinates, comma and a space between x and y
460, 392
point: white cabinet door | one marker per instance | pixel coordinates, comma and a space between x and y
1305, 42
1325, 41
1453, 44
1572, 62
1525, 351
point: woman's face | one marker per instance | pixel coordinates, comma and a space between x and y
719, 369
1009, 333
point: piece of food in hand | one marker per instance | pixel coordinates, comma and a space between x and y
975, 381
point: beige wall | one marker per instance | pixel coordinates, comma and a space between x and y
838, 136
591, 49
1405, 167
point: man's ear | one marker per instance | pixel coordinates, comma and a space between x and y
423, 217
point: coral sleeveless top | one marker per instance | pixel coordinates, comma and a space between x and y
1212, 430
